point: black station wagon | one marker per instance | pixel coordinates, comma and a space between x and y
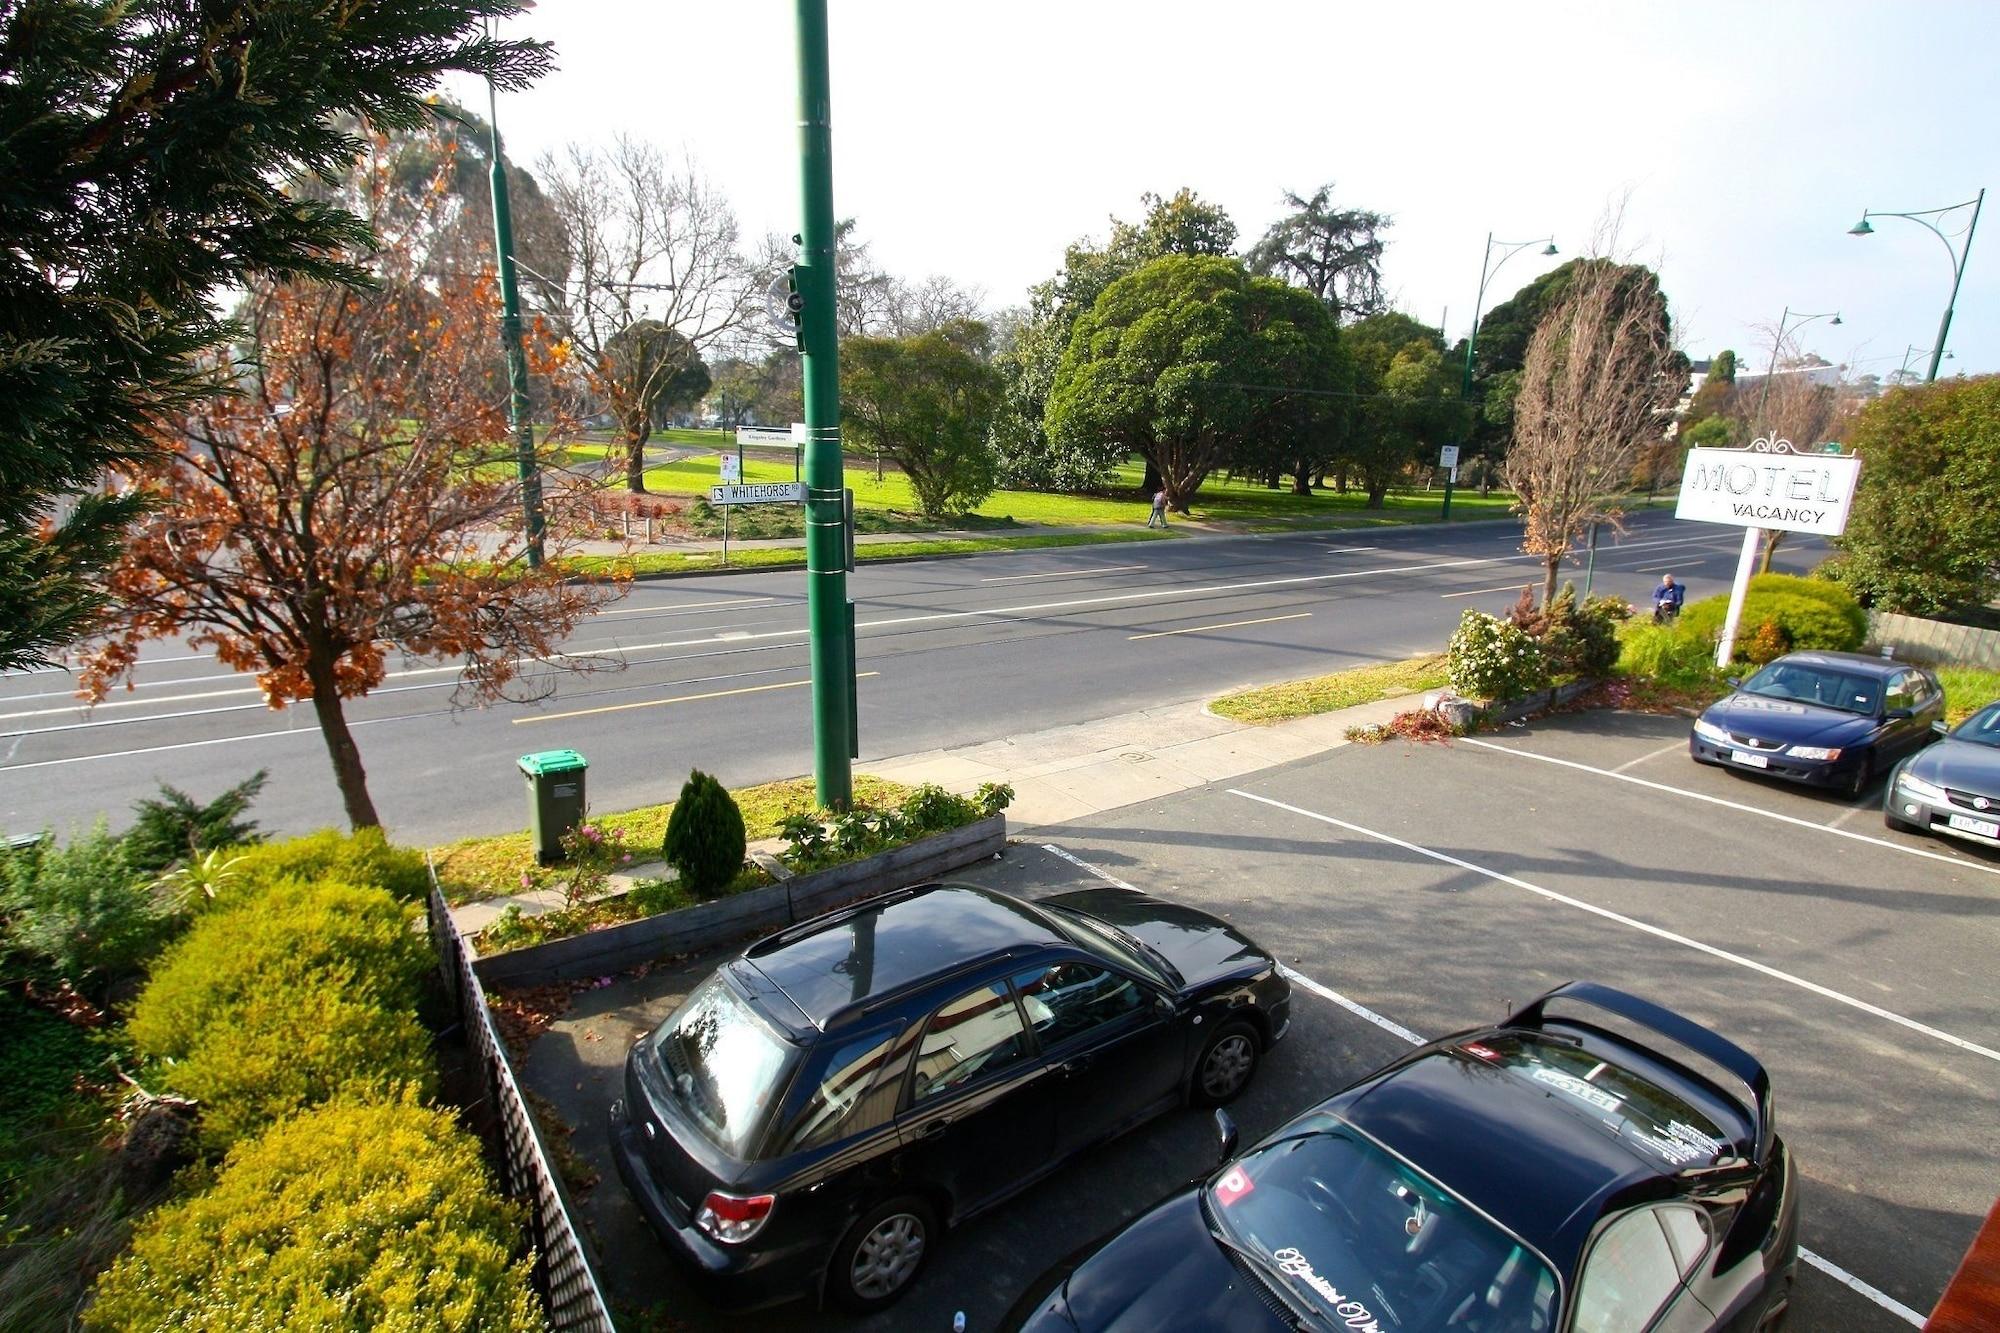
819, 1109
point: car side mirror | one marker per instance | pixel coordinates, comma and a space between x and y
1732, 680
1225, 1130
1899, 714
1940, 728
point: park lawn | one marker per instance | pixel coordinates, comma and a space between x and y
1328, 694
475, 868
648, 563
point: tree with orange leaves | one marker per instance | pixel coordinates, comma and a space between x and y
350, 500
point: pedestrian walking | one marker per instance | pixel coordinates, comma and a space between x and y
1159, 518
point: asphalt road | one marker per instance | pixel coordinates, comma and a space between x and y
1435, 887
713, 672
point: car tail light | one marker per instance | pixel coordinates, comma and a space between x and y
733, 1218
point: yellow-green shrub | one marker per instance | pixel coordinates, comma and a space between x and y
360, 938
294, 1046
362, 1217
362, 857
1808, 614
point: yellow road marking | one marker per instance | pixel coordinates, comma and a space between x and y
680, 699
1198, 629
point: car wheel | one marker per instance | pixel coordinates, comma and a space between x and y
1901, 825
881, 1254
1777, 1311
1862, 777
1225, 1065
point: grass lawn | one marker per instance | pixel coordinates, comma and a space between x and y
475, 868
793, 557
1326, 694
1966, 690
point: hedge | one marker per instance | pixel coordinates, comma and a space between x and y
1809, 615
363, 857
284, 1000
361, 937
361, 1217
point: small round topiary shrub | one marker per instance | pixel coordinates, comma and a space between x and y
1490, 658
705, 840
348, 1217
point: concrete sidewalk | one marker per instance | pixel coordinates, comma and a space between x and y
1074, 772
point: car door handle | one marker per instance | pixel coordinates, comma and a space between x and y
934, 1128
1082, 1064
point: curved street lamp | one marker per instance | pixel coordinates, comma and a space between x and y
1487, 268
1957, 253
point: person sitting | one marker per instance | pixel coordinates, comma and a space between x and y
1667, 598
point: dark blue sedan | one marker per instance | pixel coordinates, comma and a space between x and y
1823, 719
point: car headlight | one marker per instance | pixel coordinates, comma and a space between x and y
1708, 731
1923, 791
1814, 752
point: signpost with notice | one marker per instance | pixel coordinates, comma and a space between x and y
1771, 484
1448, 460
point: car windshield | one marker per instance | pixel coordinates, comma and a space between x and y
1982, 728
726, 1067
1370, 1242
1801, 682
1102, 938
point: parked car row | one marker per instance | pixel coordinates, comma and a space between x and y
823, 1108
1840, 720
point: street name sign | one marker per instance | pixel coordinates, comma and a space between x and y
764, 435
759, 493
1793, 492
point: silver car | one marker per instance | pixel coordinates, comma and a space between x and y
1953, 786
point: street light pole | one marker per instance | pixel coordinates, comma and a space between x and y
519, 423
1487, 268
1958, 255
830, 615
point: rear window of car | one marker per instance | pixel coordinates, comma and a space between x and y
1634, 1108
726, 1067
845, 1092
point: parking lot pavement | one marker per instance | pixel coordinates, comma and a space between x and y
1432, 887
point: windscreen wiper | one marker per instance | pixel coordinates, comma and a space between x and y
1302, 1320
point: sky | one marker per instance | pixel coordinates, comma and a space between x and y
976, 141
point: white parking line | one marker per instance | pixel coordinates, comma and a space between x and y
1636, 924
1734, 805
1824, 1265
1875, 1294
1650, 754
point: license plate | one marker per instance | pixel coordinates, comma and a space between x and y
1985, 828
1745, 757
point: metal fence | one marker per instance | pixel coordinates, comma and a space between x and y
563, 1272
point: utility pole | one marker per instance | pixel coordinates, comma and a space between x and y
518, 421
830, 615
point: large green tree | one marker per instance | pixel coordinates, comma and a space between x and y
1924, 535
1186, 362
1184, 224
144, 150
926, 402
1407, 400
1334, 253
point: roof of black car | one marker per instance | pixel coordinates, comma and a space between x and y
890, 944
1523, 1156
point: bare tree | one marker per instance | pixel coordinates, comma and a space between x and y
655, 277
1797, 409
1601, 375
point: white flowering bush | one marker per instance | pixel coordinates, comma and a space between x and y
1490, 658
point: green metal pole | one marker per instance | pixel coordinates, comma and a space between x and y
1471, 345
518, 422
1957, 273
819, 345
